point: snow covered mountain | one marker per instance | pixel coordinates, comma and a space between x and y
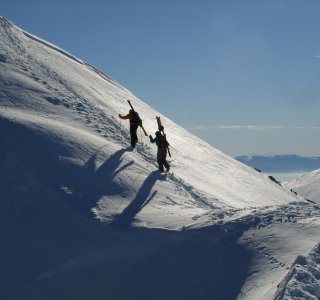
83, 217
307, 185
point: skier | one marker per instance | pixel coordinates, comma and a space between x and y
135, 121
162, 145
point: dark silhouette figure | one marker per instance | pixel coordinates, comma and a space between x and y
162, 145
135, 122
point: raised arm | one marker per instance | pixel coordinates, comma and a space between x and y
152, 140
124, 117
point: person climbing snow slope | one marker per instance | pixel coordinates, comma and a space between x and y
162, 145
135, 122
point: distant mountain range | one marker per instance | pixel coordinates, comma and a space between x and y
288, 163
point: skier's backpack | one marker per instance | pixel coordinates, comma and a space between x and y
163, 142
136, 118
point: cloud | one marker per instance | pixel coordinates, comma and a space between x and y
252, 127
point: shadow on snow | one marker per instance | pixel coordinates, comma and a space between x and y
80, 186
103, 262
142, 198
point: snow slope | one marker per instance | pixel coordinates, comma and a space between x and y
307, 185
75, 107
83, 217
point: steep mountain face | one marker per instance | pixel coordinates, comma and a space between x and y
307, 185
83, 217
60, 117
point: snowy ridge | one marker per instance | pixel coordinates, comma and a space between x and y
31, 36
82, 212
7, 25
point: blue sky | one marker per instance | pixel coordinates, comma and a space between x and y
242, 75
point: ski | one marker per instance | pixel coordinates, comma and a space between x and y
160, 127
158, 121
145, 133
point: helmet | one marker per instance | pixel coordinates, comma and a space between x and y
161, 128
158, 133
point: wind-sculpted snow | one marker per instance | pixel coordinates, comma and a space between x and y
84, 217
303, 279
278, 237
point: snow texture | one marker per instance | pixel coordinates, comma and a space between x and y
85, 217
303, 280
